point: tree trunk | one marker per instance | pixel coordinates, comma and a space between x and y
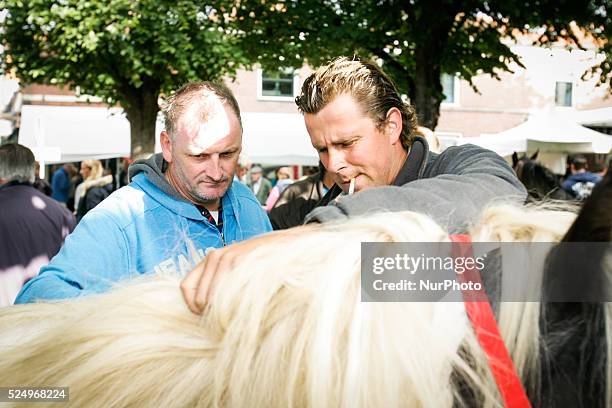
427, 88
141, 109
428, 53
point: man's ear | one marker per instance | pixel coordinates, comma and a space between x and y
393, 125
166, 145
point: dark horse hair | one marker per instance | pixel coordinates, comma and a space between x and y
575, 352
540, 182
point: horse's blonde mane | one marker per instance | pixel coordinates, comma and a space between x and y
285, 328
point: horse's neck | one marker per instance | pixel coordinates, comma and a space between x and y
539, 181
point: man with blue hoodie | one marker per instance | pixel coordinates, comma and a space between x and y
581, 182
179, 204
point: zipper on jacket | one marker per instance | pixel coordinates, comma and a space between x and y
221, 235
211, 225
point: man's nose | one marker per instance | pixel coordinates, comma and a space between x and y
335, 161
214, 170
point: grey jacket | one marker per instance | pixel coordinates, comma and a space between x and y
452, 188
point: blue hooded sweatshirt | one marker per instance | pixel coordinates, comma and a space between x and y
144, 227
580, 185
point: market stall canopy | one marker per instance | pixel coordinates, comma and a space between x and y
74, 133
59, 134
277, 139
547, 132
6, 127
601, 117
9, 101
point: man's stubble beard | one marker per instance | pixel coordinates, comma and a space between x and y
192, 190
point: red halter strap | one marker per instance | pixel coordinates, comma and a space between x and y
481, 315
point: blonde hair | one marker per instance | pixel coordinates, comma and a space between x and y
363, 80
280, 330
283, 173
96, 168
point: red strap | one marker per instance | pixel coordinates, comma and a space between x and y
481, 315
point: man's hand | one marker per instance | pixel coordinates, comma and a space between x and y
199, 283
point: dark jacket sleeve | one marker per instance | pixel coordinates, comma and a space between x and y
92, 198
294, 204
455, 187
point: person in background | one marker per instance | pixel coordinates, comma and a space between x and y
96, 186
40, 184
75, 180
243, 169
90, 170
300, 198
32, 225
283, 180
260, 185
581, 181
60, 183
600, 169
123, 174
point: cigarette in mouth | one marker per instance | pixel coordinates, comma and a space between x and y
352, 186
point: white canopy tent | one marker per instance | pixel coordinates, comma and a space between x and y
601, 117
555, 136
8, 89
74, 133
59, 134
277, 139
6, 127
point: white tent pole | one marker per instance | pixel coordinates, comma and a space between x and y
40, 142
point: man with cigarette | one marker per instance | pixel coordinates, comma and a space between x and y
366, 137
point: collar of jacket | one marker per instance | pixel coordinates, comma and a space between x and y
149, 175
15, 183
413, 169
181, 206
415, 163
99, 182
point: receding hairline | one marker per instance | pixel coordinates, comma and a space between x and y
206, 113
202, 95
362, 111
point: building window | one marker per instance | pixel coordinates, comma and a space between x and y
563, 94
277, 85
450, 88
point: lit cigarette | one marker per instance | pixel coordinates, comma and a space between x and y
352, 186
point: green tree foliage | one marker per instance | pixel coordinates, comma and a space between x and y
418, 40
131, 51
125, 51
